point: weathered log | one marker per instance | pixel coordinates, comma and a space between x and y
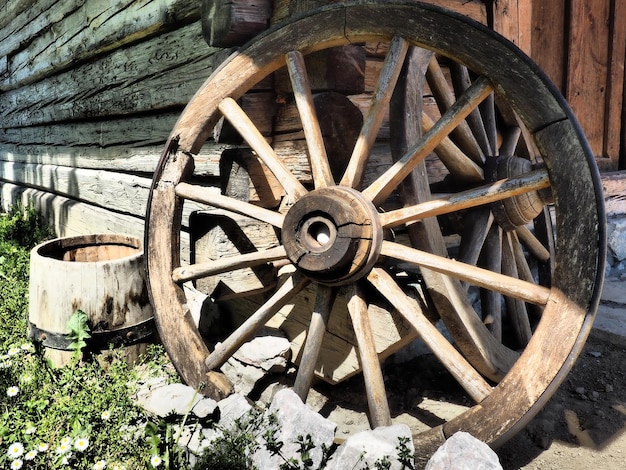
162, 73
82, 33
230, 23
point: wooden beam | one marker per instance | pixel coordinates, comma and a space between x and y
161, 73
615, 84
513, 19
588, 62
548, 39
82, 33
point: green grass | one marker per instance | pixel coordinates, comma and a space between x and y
78, 416
81, 416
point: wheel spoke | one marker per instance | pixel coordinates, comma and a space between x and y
488, 113
491, 300
523, 269
240, 121
376, 112
463, 372
227, 264
475, 197
458, 164
317, 327
515, 307
474, 235
213, 198
382, 187
532, 243
506, 285
372, 373
445, 99
292, 285
461, 82
320, 167
509, 141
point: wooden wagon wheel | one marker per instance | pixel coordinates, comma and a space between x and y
349, 249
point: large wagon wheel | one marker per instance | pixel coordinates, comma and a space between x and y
517, 303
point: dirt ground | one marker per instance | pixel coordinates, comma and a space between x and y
582, 426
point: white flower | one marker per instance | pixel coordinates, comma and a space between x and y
43, 447
5, 364
16, 464
63, 448
155, 461
15, 450
14, 351
65, 460
81, 443
13, 391
30, 430
27, 347
106, 414
26, 378
66, 441
100, 465
30, 455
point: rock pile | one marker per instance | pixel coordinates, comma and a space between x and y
295, 421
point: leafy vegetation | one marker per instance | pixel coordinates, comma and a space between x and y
81, 416
78, 416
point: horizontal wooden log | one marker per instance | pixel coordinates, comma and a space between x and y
131, 132
162, 73
125, 193
23, 20
68, 217
121, 159
91, 29
474, 9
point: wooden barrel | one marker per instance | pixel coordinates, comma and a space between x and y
101, 275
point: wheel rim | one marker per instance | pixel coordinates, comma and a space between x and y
507, 387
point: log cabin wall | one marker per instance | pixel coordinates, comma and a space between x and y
89, 91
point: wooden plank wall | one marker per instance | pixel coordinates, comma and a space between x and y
89, 91
581, 45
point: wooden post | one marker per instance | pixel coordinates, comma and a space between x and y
588, 60
614, 129
513, 19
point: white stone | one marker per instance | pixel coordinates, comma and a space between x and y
364, 449
170, 399
232, 408
295, 419
617, 237
270, 350
462, 451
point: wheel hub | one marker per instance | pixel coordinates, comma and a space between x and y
517, 210
332, 235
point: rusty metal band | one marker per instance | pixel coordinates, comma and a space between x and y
100, 340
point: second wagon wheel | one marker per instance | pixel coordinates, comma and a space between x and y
448, 216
